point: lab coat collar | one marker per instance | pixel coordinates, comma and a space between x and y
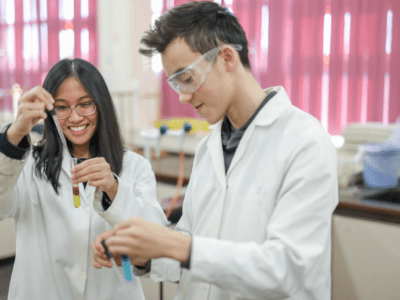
272, 110
214, 146
267, 115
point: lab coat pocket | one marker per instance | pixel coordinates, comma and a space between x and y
253, 220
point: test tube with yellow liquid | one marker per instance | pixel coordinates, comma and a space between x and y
75, 187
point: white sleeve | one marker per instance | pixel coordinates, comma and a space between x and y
133, 199
298, 233
170, 269
10, 171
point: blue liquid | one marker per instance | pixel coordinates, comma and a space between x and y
127, 268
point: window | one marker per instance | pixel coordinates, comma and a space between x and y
336, 59
35, 34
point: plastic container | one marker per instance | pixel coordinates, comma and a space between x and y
382, 164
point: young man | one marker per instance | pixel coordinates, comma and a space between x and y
256, 220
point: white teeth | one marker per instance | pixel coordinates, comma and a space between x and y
78, 128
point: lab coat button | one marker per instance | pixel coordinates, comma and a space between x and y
81, 276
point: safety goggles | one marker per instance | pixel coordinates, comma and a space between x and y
191, 78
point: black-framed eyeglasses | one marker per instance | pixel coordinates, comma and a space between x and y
84, 109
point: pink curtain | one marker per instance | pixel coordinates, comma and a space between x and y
31, 32
339, 60
171, 107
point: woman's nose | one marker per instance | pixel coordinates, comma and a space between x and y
74, 115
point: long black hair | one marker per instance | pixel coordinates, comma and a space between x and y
107, 140
203, 25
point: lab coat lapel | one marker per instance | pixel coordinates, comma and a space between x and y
241, 149
266, 116
214, 146
66, 163
87, 193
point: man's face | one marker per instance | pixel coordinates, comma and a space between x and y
211, 99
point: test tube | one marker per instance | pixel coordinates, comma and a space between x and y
75, 187
114, 265
126, 264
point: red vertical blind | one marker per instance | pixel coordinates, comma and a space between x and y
36, 34
171, 107
339, 60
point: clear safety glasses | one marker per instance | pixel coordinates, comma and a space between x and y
84, 109
191, 78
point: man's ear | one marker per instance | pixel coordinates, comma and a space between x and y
231, 58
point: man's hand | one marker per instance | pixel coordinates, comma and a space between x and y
142, 241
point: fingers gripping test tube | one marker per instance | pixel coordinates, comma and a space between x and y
114, 265
126, 264
75, 187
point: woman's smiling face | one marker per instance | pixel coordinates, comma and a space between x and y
77, 129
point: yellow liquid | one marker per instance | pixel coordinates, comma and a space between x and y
77, 201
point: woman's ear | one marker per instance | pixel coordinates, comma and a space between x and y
230, 58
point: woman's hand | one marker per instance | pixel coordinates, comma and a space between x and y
100, 259
97, 172
142, 241
31, 109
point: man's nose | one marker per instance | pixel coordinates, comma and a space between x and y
185, 97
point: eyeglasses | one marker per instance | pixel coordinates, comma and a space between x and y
191, 78
84, 109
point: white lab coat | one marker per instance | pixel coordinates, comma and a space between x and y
53, 255
263, 231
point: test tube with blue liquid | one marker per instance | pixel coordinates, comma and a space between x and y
125, 265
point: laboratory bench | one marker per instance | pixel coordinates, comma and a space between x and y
365, 248
352, 203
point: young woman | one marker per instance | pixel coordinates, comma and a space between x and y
53, 257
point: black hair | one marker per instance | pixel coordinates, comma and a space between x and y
203, 25
107, 140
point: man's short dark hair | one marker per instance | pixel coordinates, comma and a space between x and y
203, 25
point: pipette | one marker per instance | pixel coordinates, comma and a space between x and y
60, 133
114, 265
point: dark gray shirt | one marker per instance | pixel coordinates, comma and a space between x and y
231, 137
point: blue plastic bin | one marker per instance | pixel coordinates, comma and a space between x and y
382, 164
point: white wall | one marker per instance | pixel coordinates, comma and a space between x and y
121, 23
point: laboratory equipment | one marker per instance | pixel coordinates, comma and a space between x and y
155, 135
75, 187
114, 265
126, 265
181, 135
382, 164
163, 131
58, 127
